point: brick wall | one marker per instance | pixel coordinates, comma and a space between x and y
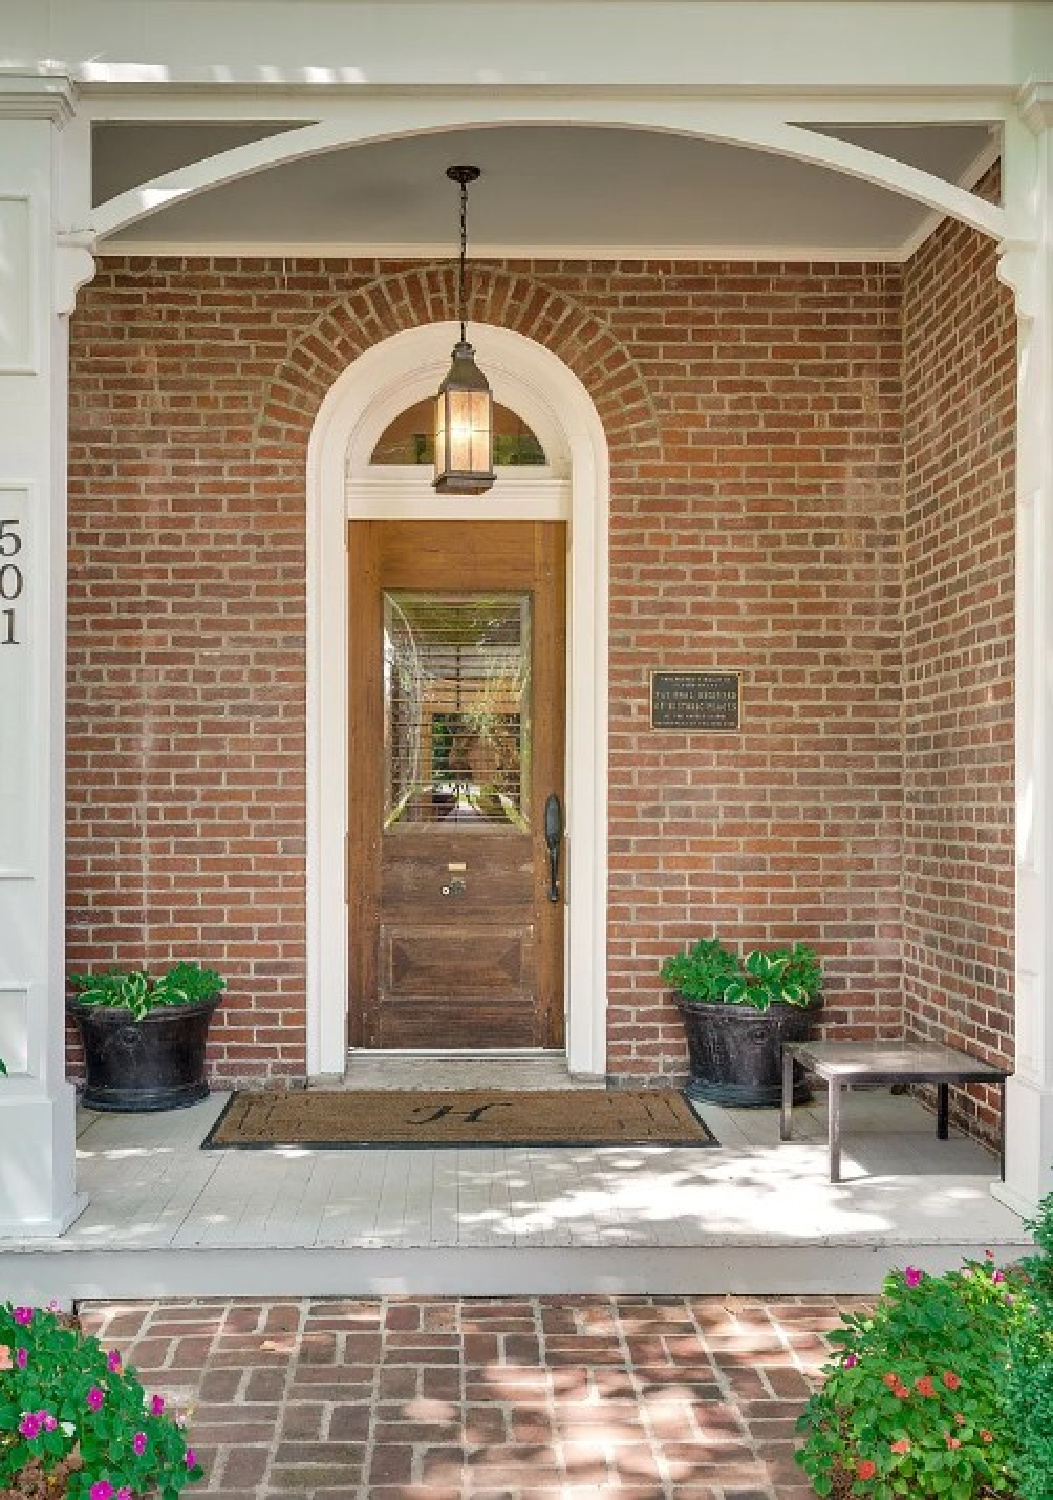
959, 376
754, 419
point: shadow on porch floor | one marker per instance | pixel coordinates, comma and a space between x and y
165, 1218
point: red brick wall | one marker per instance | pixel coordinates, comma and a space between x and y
754, 419
959, 377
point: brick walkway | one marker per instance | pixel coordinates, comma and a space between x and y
546, 1398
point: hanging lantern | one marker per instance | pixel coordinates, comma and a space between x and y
464, 406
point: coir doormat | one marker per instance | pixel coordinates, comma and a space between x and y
334, 1120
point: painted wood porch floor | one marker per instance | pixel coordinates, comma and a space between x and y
754, 1216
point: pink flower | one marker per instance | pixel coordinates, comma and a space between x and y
95, 1398
23, 1316
30, 1424
901, 1445
866, 1469
139, 1443
47, 1420
102, 1489
924, 1386
953, 1442
113, 1362
850, 1361
998, 1278
987, 1435
912, 1276
951, 1380
190, 1458
157, 1405
6, 1362
21, 1357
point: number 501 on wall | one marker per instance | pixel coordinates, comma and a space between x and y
11, 581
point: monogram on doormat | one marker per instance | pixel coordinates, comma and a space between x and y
334, 1120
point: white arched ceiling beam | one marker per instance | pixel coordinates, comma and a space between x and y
752, 126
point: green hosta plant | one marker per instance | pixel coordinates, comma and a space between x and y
140, 992
711, 972
75, 1423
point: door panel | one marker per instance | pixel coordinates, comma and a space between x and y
457, 684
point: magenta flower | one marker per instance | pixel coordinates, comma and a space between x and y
139, 1443
102, 1489
30, 1424
47, 1420
157, 1405
190, 1459
850, 1361
23, 1315
113, 1362
21, 1357
912, 1276
95, 1398
998, 1278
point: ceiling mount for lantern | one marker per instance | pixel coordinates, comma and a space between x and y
464, 405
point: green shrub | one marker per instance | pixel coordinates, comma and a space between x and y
1027, 1393
912, 1406
73, 1417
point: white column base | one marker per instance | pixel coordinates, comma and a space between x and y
38, 1148
1029, 1146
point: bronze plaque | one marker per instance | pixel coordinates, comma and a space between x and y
695, 700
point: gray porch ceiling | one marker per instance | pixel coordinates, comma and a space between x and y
546, 190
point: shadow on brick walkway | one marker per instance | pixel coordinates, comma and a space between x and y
540, 1398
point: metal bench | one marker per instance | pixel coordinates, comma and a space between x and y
839, 1063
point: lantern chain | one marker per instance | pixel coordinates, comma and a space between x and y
464, 254
463, 176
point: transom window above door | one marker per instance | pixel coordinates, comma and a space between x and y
410, 439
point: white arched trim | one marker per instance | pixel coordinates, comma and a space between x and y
341, 486
755, 127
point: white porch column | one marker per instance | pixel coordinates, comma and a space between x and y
1027, 266
39, 174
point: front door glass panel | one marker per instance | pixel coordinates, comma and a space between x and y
457, 710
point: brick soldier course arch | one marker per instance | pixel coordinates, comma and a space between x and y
428, 294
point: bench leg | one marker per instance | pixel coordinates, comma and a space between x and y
834, 1094
944, 1111
786, 1112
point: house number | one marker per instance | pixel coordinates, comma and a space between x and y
11, 582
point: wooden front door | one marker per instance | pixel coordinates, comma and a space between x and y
456, 745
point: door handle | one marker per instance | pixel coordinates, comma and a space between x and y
553, 841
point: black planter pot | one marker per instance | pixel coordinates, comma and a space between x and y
736, 1052
156, 1063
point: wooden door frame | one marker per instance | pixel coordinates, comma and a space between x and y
341, 487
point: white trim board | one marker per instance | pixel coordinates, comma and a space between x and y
341, 486
118, 249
